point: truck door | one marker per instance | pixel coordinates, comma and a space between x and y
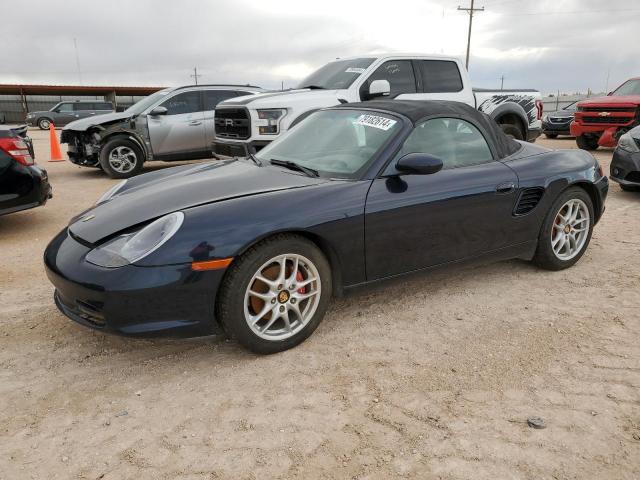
180, 133
440, 80
399, 74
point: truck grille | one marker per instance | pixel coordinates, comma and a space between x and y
560, 119
606, 120
608, 109
232, 123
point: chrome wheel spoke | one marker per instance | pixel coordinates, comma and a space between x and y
256, 318
570, 229
273, 319
263, 296
304, 296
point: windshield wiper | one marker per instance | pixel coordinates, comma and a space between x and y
314, 87
254, 158
295, 166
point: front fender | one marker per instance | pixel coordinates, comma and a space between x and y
332, 212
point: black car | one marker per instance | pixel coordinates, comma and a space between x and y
23, 184
625, 165
558, 123
352, 195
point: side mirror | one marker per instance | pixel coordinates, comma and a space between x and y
158, 111
379, 88
419, 164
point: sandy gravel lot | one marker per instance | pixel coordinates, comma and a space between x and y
431, 377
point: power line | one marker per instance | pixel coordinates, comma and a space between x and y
470, 11
576, 12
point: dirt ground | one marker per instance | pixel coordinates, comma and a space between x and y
432, 377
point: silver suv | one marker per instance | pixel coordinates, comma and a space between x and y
67, 112
172, 124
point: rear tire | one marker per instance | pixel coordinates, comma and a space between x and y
43, 123
559, 229
586, 142
551, 135
278, 315
512, 131
121, 158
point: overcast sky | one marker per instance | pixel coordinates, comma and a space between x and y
545, 44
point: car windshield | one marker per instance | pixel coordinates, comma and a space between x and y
336, 143
336, 75
630, 87
140, 106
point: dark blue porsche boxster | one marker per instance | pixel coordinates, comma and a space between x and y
255, 247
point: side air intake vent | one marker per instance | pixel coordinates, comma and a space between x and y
528, 200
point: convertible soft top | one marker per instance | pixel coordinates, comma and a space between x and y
417, 110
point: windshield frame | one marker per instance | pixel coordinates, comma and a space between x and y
143, 104
342, 65
635, 81
369, 168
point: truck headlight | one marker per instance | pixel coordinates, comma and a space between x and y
628, 143
131, 247
269, 121
111, 192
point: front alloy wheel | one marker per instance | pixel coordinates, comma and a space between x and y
275, 294
282, 297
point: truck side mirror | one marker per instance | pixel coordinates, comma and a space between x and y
158, 111
379, 88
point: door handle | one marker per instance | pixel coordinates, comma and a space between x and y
194, 123
505, 188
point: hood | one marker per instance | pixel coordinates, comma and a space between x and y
84, 123
562, 114
152, 195
288, 98
630, 100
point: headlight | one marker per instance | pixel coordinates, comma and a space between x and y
111, 192
269, 121
628, 143
131, 247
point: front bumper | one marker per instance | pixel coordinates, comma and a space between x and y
625, 167
556, 128
230, 148
131, 300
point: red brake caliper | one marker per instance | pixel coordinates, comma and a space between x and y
300, 278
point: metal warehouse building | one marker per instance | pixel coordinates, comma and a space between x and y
17, 100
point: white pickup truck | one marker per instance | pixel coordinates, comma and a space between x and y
246, 124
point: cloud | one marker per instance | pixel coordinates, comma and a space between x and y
158, 42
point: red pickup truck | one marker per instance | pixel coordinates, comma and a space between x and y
600, 121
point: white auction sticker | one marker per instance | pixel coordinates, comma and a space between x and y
375, 121
354, 70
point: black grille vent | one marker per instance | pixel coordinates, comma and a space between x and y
232, 123
528, 200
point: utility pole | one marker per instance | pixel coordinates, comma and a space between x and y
75, 46
502, 82
470, 11
195, 74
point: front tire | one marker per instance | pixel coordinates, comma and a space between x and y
43, 123
587, 142
121, 158
566, 231
276, 294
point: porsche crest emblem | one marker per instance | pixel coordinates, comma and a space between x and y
283, 296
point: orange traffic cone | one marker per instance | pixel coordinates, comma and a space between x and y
56, 154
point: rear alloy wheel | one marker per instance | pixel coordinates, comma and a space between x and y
121, 158
512, 131
275, 295
587, 142
566, 231
44, 123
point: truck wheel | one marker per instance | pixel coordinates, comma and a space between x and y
43, 123
551, 135
121, 158
512, 131
587, 142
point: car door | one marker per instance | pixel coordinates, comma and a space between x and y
211, 99
83, 109
63, 114
180, 133
418, 221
